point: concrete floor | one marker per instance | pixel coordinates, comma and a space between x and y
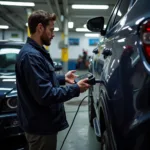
81, 136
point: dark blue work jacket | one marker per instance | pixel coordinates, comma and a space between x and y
40, 97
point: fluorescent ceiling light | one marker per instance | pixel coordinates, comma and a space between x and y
90, 6
4, 27
91, 35
10, 3
86, 26
56, 29
70, 25
82, 30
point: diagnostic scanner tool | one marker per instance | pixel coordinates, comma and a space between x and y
91, 78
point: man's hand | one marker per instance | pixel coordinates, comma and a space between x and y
83, 85
70, 76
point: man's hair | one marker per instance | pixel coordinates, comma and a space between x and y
39, 16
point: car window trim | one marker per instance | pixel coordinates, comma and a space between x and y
112, 16
129, 7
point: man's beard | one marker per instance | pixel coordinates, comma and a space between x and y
45, 40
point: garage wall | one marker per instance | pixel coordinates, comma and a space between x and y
13, 35
74, 51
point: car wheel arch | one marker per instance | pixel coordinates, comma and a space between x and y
105, 116
102, 113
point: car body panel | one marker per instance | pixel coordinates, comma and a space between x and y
125, 76
9, 125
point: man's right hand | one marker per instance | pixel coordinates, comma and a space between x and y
83, 85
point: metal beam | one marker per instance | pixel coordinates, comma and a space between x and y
65, 39
58, 10
11, 21
14, 13
6, 15
65, 7
52, 11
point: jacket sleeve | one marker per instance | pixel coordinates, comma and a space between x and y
61, 79
39, 82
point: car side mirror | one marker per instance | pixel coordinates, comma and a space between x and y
57, 66
96, 25
95, 51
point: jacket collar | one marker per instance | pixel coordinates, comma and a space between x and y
37, 46
40, 48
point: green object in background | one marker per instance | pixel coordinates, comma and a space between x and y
14, 35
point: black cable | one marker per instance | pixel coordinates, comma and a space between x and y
72, 122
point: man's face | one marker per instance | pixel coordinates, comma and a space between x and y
48, 34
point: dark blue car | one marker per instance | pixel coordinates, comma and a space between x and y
8, 94
9, 125
119, 108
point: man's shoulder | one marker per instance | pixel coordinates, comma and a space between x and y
27, 50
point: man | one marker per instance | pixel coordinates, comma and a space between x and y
40, 98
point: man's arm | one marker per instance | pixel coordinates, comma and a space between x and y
61, 79
39, 83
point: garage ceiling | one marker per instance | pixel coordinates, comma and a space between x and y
16, 17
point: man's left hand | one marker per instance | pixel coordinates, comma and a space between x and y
70, 76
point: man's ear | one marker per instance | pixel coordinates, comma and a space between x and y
40, 28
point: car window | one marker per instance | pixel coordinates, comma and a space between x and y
112, 17
122, 10
8, 59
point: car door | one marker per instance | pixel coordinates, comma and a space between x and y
115, 42
132, 86
119, 70
108, 45
98, 62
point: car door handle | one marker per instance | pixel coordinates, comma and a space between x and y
107, 52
